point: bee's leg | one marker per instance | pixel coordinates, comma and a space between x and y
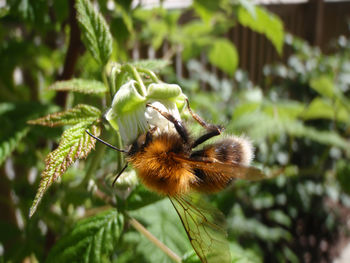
180, 128
213, 130
119, 174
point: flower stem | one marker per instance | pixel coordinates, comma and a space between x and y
171, 254
140, 87
109, 94
150, 74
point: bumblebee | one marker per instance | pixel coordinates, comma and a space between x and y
170, 164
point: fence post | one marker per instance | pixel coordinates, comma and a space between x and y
316, 16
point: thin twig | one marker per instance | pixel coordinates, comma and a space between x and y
72, 54
171, 254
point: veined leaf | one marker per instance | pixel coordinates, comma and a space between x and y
223, 54
75, 144
80, 113
80, 85
161, 220
91, 240
264, 22
9, 145
96, 35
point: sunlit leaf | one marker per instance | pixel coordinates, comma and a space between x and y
264, 22
321, 108
151, 64
96, 35
162, 221
283, 109
323, 85
223, 54
75, 144
205, 9
91, 240
78, 114
243, 255
80, 85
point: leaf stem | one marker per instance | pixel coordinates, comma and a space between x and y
171, 254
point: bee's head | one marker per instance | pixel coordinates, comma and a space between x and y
137, 145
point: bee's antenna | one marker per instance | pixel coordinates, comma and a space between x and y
119, 174
106, 143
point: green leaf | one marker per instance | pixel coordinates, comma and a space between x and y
286, 109
161, 220
243, 255
205, 9
223, 54
249, 6
264, 22
159, 31
279, 217
151, 64
258, 126
4, 11
80, 85
80, 113
321, 108
343, 175
75, 144
141, 197
96, 35
10, 144
323, 85
91, 240
322, 136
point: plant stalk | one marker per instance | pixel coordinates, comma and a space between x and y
150, 74
140, 87
171, 254
100, 149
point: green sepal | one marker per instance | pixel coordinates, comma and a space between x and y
163, 91
127, 98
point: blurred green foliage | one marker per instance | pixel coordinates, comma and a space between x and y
298, 118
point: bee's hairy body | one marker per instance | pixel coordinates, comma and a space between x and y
159, 162
158, 169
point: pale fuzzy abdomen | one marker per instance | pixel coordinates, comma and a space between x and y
159, 171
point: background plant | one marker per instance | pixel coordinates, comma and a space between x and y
299, 124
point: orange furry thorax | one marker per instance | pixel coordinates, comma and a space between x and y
157, 168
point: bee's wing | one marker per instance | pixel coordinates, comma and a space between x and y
204, 228
231, 170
